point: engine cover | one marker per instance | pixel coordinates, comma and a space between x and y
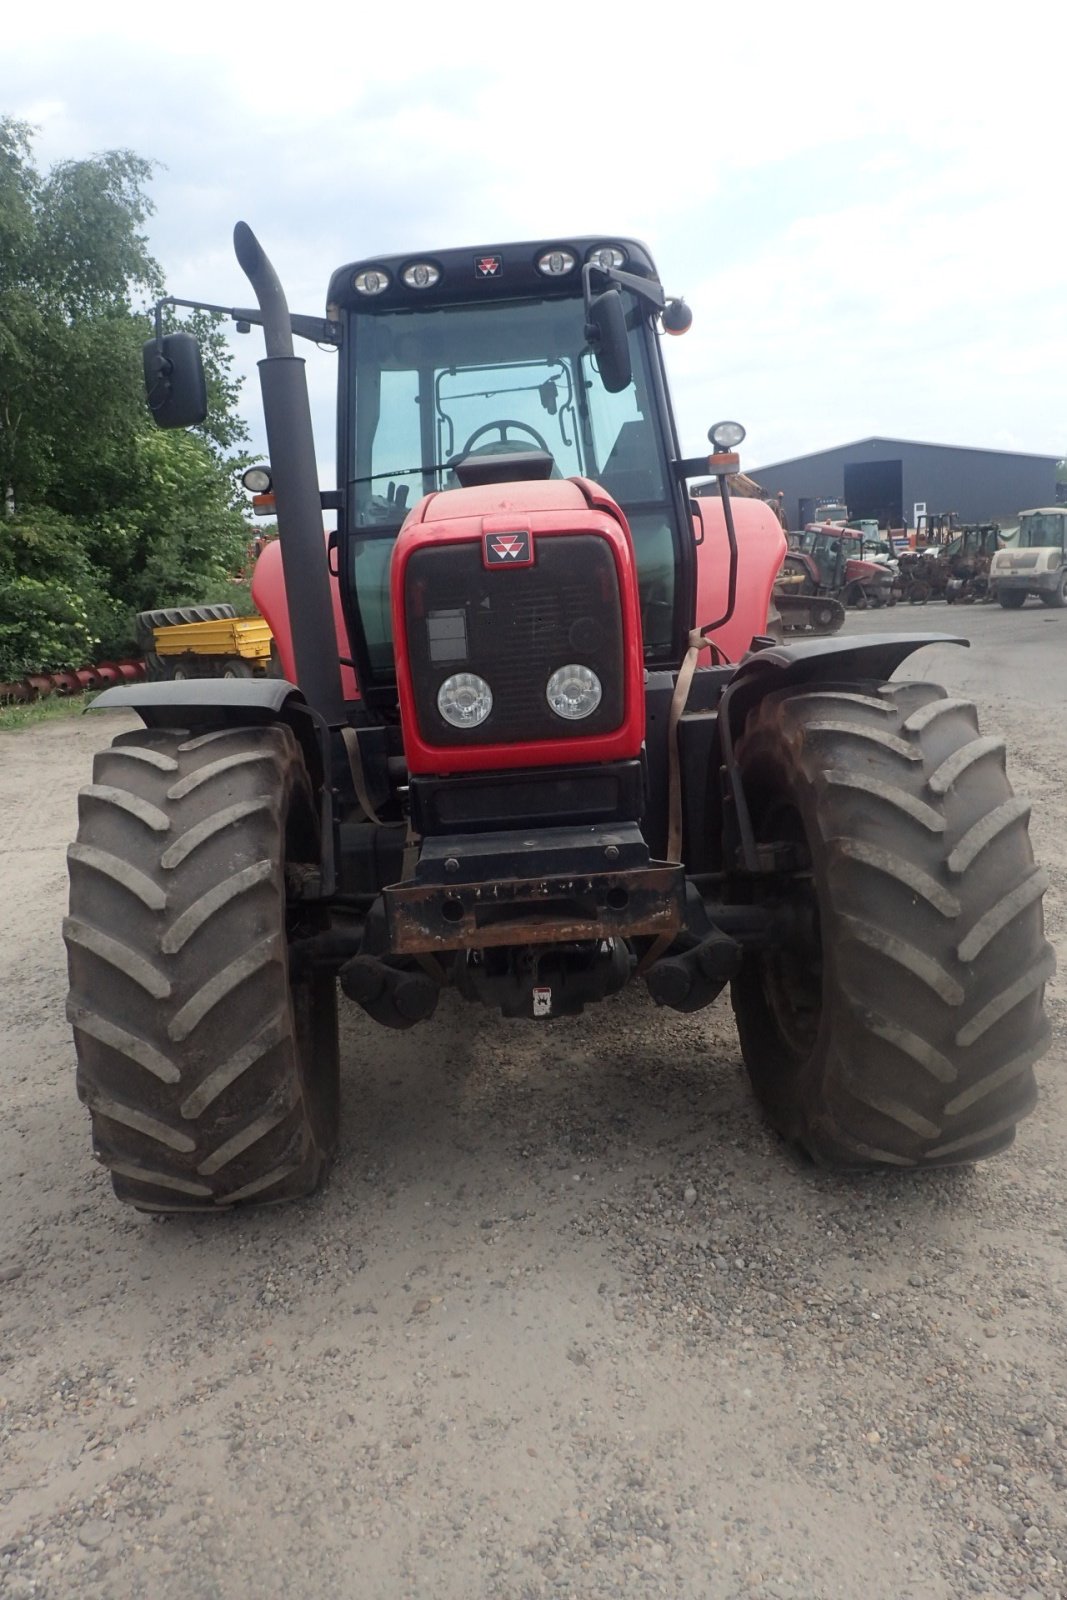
510, 583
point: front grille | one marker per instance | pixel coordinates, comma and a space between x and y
514, 627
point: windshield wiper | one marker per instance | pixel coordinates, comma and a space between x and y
401, 472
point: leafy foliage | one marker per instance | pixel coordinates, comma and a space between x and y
96, 503
43, 627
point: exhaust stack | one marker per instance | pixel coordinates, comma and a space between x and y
291, 448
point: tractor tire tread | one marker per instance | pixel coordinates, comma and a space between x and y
211, 1080
933, 944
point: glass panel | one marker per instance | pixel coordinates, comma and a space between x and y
372, 558
625, 457
395, 440
1045, 529
431, 386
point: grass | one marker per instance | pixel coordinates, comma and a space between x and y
52, 709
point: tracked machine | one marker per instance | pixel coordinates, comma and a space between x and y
534, 743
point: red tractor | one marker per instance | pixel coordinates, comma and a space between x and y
532, 742
832, 560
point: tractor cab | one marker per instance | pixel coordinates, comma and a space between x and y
470, 368
1043, 530
828, 548
838, 553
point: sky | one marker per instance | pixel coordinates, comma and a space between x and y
862, 206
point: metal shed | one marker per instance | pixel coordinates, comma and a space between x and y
888, 478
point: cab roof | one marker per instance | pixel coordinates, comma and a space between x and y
471, 274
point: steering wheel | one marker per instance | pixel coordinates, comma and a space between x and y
502, 444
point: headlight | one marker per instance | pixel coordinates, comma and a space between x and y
464, 700
257, 480
574, 692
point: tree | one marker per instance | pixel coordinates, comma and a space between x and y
96, 500
71, 259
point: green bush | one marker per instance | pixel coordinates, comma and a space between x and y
44, 627
49, 547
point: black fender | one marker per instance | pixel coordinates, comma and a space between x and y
221, 702
831, 660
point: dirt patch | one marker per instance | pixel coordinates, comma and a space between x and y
566, 1321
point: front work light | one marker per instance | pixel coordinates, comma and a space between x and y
373, 281
555, 263
574, 692
726, 435
464, 700
257, 480
421, 275
607, 256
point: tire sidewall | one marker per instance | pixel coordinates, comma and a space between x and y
784, 1081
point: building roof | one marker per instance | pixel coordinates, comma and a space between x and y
924, 444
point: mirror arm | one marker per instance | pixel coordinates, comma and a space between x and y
318, 329
644, 288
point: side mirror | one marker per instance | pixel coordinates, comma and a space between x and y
605, 329
174, 381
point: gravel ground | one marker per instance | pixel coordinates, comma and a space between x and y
566, 1321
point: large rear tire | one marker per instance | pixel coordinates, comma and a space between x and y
210, 1076
1011, 599
1056, 597
904, 1029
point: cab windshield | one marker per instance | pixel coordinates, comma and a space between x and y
1044, 530
430, 387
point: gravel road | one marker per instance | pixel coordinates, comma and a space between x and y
566, 1321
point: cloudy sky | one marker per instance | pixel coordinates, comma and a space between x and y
863, 206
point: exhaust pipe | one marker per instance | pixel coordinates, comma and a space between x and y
291, 447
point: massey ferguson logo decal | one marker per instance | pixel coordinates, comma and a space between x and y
488, 266
513, 549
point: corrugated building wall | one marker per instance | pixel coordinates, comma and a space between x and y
886, 478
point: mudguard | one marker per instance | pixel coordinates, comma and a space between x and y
837, 659
216, 702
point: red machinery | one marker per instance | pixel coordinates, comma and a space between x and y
533, 743
832, 562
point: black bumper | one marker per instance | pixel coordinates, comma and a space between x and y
552, 886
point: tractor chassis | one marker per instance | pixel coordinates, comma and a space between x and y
541, 921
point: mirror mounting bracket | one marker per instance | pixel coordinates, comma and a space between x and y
320, 330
